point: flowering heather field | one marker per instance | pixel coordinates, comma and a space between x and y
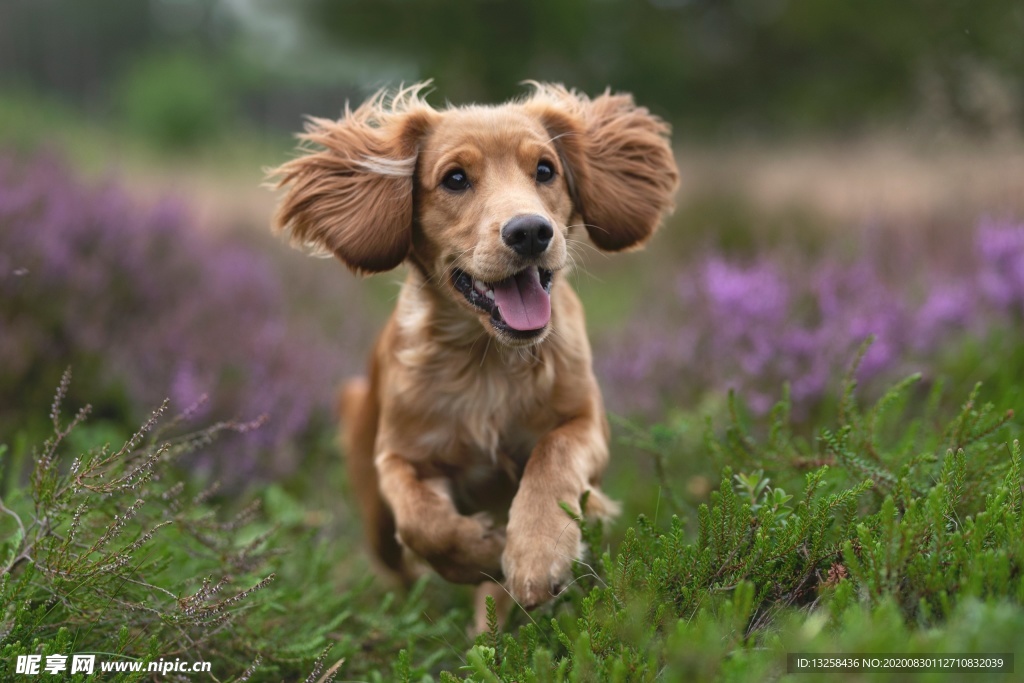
144, 308
902, 525
753, 324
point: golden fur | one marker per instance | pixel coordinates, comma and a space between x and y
468, 434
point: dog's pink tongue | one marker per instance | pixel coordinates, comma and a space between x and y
522, 301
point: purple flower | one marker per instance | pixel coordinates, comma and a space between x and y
145, 307
947, 308
771, 320
1000, 245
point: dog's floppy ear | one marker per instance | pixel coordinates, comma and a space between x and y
351, 192
617, 159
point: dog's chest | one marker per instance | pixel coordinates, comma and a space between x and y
484, 419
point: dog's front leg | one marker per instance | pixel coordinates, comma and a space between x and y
542, 540
461, 549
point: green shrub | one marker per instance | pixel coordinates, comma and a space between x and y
110, 555
900, 532
889, 532
176, 100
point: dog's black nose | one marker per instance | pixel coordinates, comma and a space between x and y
528, 235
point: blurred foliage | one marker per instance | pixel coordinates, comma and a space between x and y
176, 100
174, 70
71, 47
777, 64
725, 67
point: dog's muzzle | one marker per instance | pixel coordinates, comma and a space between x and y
519, 305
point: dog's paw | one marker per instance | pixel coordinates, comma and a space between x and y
538, 565
487, 525
468, 551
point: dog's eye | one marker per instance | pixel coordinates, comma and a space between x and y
456, 180
545, 172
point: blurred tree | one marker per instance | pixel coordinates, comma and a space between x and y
171, 69
775, 64
148, 65
713, 66
176, 100
73, 48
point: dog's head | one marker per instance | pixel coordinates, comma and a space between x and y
481, 200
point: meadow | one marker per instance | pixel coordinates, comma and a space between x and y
812, 376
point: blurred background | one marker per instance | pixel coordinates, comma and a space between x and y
850, 171
846, 167
726, 69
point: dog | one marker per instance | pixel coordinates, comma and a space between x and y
480, 417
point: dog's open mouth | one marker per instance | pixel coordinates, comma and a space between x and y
519, 305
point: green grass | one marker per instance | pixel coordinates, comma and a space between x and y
889, 530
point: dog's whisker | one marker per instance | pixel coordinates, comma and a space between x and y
574, 267
591, 226
487, 348
440, 278
451, 266
585, 244
556, 334
533, 353
524, 354
587, 226
573, 259
576, 273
